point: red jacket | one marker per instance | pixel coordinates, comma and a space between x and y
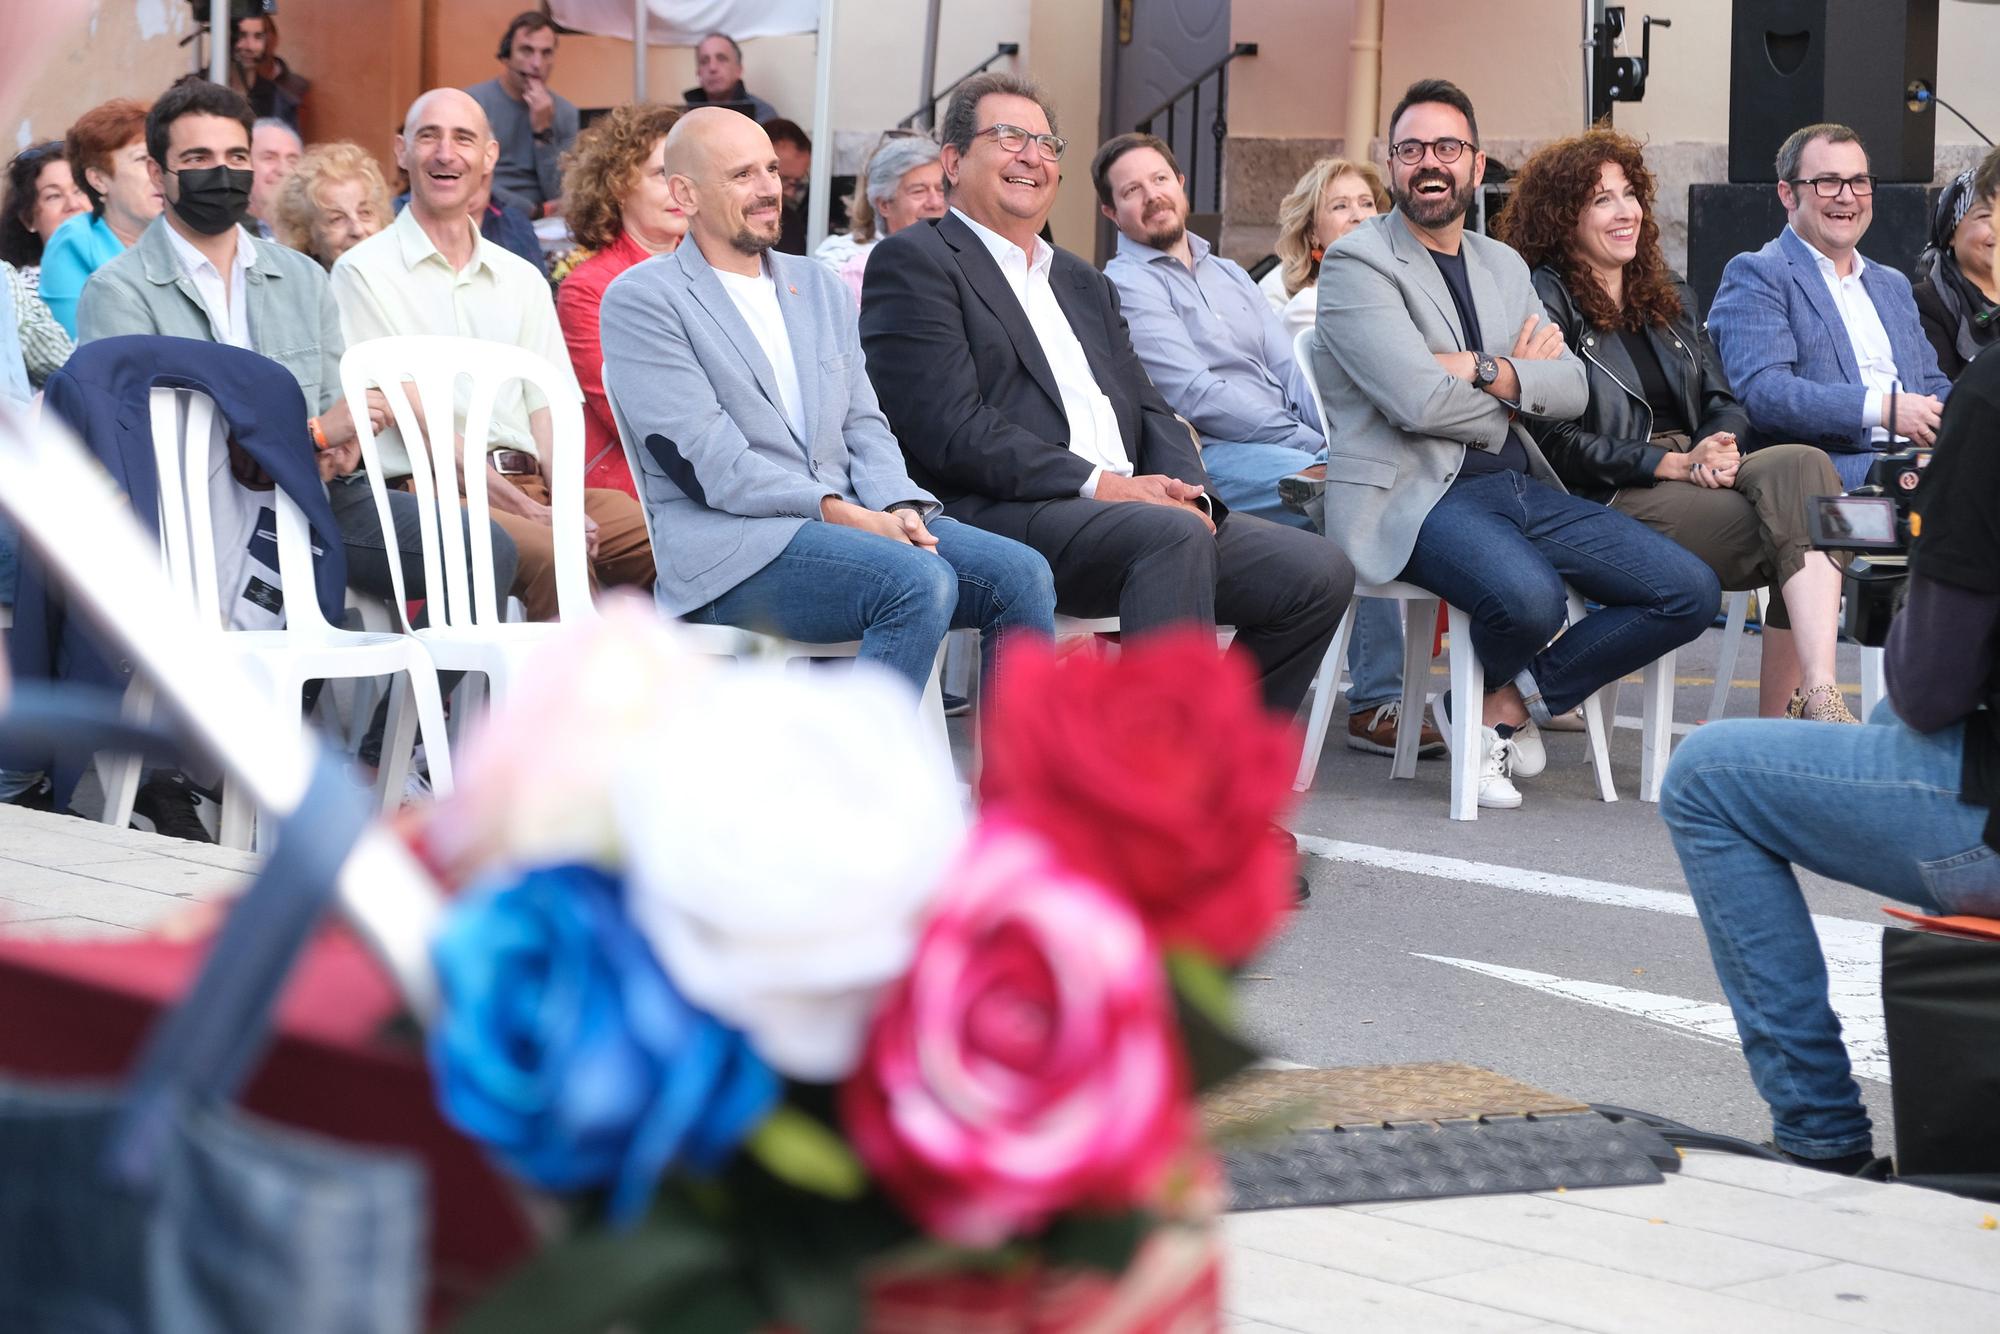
577, 301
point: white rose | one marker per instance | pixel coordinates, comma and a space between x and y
784, 834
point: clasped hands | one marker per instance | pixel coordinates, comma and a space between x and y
903, 526
1153, 489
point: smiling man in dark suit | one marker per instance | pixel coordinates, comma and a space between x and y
1009, 377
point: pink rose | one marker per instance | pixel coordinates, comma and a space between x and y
1028, 1063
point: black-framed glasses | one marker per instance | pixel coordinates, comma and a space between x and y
1447, 150
1829, 187
1012, 139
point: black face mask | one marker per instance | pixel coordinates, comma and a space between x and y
214, 199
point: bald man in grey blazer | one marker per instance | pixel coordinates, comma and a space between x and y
776, 495
1431, 347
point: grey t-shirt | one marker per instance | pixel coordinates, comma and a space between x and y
529, 172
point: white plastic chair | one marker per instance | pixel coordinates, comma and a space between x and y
84, 531
186, 433
468, 630
1732, 640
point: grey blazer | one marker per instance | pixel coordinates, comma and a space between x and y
293, 318
725, 480
1401, 426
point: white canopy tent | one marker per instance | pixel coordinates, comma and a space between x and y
685, 22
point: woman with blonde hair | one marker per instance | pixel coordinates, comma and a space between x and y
1329, 201
334, 199
620, 210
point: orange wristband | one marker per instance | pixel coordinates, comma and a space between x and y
318, 433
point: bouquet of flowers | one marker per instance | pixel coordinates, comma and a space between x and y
803, 1045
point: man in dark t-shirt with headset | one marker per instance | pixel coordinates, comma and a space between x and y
1749, 799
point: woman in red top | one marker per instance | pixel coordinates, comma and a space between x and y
616, 200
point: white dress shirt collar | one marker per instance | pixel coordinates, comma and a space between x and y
1005, 253
227, 304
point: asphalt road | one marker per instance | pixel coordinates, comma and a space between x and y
1571, 983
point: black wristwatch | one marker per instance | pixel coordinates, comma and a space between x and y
1485, 371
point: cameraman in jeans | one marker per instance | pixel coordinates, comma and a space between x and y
1747, 800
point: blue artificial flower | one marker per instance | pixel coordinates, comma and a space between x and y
564, 1047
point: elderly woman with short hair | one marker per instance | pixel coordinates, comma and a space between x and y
620, 210
902, 182
334, 199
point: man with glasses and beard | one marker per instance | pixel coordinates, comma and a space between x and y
1431, 347
1822, 346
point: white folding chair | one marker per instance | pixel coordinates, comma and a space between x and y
467, 630
1732, 639
187, 434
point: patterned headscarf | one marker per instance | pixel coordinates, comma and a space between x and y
1965, 302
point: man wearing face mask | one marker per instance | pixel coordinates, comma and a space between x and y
197, 273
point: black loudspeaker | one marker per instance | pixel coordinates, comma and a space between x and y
1941, 1007
1794, 63
1726, 220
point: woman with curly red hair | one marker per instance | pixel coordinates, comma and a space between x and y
1658, 440
619, 209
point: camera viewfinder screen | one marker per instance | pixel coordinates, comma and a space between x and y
1864, 519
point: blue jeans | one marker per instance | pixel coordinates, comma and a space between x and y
1501, 546
832, 584
1877, 806
1246, 477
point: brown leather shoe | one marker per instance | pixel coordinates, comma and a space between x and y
1821, 704
1374, 730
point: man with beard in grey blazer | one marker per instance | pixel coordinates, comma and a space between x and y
777, 496
1431, 347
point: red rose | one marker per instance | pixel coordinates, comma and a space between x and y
1158, 771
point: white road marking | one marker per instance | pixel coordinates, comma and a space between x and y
1853, 950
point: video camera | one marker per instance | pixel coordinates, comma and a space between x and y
1874, 524
238, 9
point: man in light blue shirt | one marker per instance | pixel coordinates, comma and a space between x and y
1219, 356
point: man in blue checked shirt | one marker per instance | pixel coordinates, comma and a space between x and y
1219, 356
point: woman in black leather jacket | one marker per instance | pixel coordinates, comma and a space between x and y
1658, 440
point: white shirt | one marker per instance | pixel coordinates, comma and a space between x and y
1873, 355
228, 305
1093, 426
756, 300
398, 282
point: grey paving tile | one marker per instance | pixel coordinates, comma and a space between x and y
1912, 1203
1372, 1246
1609, 1302
45, 893
1753, 1174
63, 928
1968, 1255
1878, 1299
1551, 1225
1294, 1295
169, 875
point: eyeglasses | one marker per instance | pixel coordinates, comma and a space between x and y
1410, 152
1829, 187
1012, 139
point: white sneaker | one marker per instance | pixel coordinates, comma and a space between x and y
1529, 756
1496, 791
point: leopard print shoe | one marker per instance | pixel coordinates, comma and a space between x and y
1821, 704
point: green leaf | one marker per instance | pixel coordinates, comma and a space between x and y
1214, 1051
1201, 984
1106, 1242
586, 1283
802, 1152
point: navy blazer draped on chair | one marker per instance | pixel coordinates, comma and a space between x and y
104, 394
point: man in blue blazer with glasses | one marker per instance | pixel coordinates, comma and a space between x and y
1823, 346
